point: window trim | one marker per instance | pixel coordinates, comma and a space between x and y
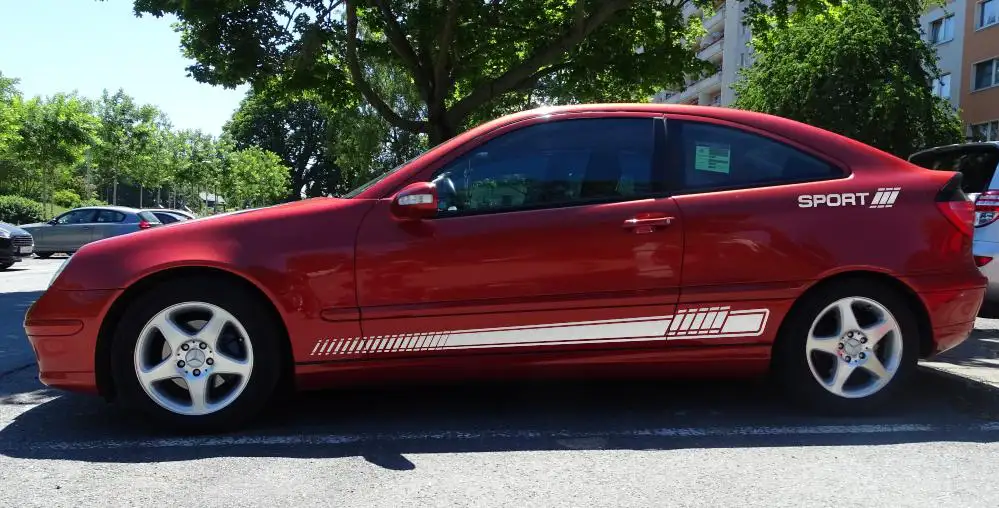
943, 20
971, 128
974, 69
939, 81
980, 13
658, 161
675, 122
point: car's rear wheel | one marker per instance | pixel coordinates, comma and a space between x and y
198, 354
43, 255
4, 266
848, 347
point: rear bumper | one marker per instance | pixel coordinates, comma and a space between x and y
991, 269
63, 327
952, 303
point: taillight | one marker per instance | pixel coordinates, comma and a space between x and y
144, 225
954, 204
982, 260
986, 208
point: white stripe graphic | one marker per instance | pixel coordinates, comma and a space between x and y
698, 323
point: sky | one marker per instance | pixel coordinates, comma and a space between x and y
88, 46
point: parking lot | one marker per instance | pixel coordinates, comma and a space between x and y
570, 443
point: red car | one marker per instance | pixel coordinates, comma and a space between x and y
595, 240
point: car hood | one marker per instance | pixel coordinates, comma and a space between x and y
12, 229
33, 225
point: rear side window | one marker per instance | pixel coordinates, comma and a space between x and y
105, 216
166, 218
707, 156
976, 164
148, 217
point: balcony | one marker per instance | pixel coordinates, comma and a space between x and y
710, 84
716, 22
710, 48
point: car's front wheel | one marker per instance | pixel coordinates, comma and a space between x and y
4, 266
847, 347
199, 354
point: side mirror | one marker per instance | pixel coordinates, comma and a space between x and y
416, 201
52, 222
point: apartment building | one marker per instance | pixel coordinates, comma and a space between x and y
965, 35
726, 45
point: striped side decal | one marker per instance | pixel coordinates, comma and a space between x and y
885, 197
701, 323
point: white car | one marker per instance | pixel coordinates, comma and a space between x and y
977, 162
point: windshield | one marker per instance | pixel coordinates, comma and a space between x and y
378, 178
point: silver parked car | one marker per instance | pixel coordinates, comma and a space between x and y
78, 227
169, 216
977, 163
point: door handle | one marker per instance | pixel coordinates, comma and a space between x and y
647, 222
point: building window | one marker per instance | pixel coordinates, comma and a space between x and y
988, 131
988, 13
941, 87
986, 73
942, 30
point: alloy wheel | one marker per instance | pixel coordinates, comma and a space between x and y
854, 347
193, 358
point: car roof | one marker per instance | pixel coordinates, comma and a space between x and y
977, 146
833, 145
124, 209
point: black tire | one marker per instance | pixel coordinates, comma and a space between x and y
264, 335
4, 266
790, 364
44, 255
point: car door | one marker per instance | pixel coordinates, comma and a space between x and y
71, 230
551, 235
746, 253
107, 223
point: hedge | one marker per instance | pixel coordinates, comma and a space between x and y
18, 210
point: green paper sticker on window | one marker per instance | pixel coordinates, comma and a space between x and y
713, 157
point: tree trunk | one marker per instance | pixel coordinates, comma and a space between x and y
114, 196
440, 132
141, 190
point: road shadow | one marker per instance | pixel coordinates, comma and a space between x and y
15, 351
981, 349
384, 424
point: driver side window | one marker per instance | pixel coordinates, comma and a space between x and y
556, 163
75, 217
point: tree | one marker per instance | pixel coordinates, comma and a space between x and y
459, 57
860, 69
10, 121
126, 134
256, 177
53, 137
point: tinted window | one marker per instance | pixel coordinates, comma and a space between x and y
148, 217
105, 216
166, 218
76, 217
977, 164
555, 163
711, 156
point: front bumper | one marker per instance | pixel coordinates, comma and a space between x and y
63, 329
14, 248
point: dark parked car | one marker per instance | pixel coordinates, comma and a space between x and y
78, 227
15, 243
169, 216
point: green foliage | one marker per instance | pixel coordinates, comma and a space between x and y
19, 210
463, 60
66, 198
860, 69
257, 177
92, 202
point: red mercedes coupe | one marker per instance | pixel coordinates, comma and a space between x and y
594, 240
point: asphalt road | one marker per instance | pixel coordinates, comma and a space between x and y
572, 443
